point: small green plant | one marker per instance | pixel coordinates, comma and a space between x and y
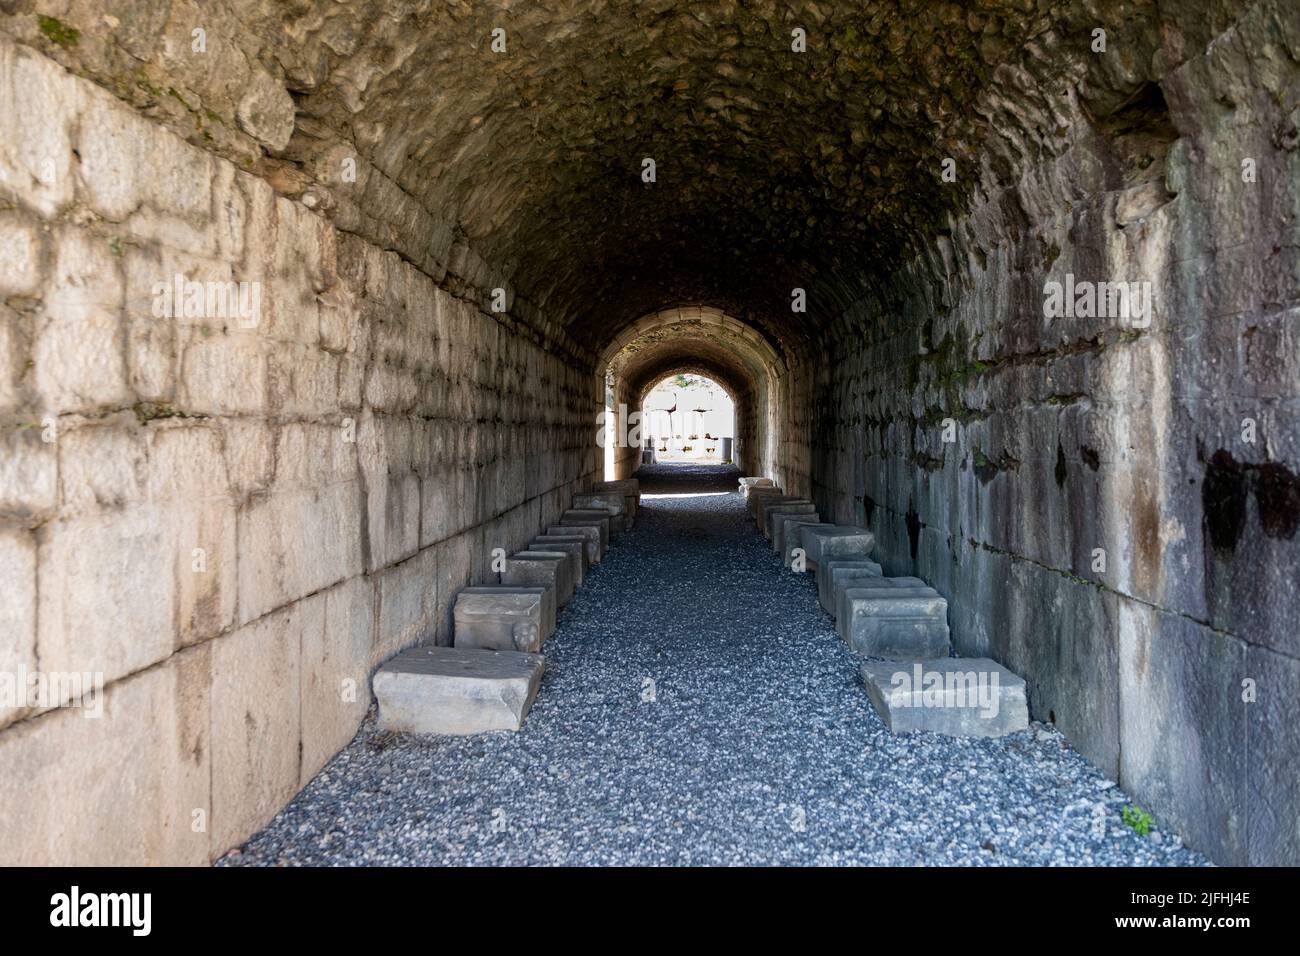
59, 32
1137, 818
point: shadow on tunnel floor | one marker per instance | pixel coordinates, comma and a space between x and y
686, 478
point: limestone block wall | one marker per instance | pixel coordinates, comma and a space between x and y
1173, 448
230, 516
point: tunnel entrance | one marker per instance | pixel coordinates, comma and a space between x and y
687, 418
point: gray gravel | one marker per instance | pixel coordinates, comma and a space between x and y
759, 746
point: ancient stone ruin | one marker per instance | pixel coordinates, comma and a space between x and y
325, 332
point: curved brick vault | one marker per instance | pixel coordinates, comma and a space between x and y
460, 265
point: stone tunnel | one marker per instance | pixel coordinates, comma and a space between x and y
306, 308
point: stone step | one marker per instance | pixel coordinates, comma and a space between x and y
756, 495
785, 532
747, 485
501, 619
909, 624
610, 502
456, 691
629, 488
574, 545
771, 501
580, 519
617, 519
770, 512
838, 573
958, 696
589, 533
549, 610
548, 569
827, 542
599, 519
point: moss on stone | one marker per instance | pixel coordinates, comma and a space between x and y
56, 31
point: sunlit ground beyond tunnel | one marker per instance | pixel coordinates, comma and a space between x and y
699, 708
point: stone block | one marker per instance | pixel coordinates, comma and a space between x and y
589, 533
747, 485
614, 521
957, 696
894, 623
335, 673
548, 569
124, 788
256, 714
580, 519
831, 541
774, 501
758, 495
575, 546
835, 575
447, 690
611, 501
785, 532
771, 512
501, 619
547, 595
17, 613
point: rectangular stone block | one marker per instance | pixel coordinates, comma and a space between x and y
747, 485
501, 619
833, 576
758, 501
958, 696
615, 521
548, 569
757, 495
455, 691
547, 595
831, 541
785, 532
590, 534
575, 546
611, 501
579, 519
761, 515
894, 623
771, 512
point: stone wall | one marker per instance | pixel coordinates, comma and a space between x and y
233, 518
1172, 447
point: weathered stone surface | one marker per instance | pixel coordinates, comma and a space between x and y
748, 485
613, 521
785, 533
829, 542
958, 696
505, 619
579, 519
892, 622
590, 534
549, 569
839, 573
758, 495
445, 690
575, 546
547, 595
772, 512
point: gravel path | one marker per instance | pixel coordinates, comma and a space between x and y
755, 744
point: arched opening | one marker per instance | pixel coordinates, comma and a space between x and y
704, 341
686, 417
